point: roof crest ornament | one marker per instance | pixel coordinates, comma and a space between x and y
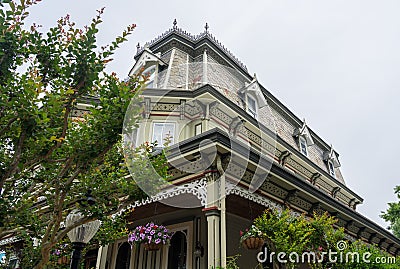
193, 38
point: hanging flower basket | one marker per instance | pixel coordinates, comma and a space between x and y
252, 243
252, 238
153, 236
152, 246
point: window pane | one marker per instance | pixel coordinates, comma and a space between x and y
150, 74
252, 106
331, 168
303, 146
198, 129
161, 131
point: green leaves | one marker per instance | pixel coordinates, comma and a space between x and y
392, 214
50, 153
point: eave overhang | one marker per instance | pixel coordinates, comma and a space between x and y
184, 94
217, 138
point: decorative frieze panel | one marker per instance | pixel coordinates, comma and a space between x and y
221, 116
365, 234
275, 190
193, 108
301, 203
299, 168
352, 228
341, 222
164, 107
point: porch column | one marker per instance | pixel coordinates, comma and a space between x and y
213, 217
102, 257
213, 237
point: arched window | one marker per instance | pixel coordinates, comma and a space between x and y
177, 251
123, 256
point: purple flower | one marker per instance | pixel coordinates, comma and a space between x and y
157, 241
152, 232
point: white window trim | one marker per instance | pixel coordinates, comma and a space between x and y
331, 171
249, 96
302, 139
161, 143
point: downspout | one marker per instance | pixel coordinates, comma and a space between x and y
223, 211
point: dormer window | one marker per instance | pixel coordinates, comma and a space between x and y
304, 138
150, 73
148, 65
253, 97
332, 161
331, 169
303, 146
252, 106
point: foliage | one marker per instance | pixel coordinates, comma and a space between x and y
50, 156
369, 256
286, 232
150, 233
231, 262
392, 214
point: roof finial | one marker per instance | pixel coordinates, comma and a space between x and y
175, 23
206, 27
138, 46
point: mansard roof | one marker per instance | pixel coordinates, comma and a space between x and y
197, 46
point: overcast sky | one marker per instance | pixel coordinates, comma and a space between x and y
335, 63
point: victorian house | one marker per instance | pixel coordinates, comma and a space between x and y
235, 151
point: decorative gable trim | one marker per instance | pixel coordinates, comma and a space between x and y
331, 156
254, 89
304, 132
146, 59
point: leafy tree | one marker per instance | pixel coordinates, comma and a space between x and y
289, 233
392, 215
368, 256
50, 157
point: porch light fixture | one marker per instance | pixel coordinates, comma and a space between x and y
198, 250
80, 235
